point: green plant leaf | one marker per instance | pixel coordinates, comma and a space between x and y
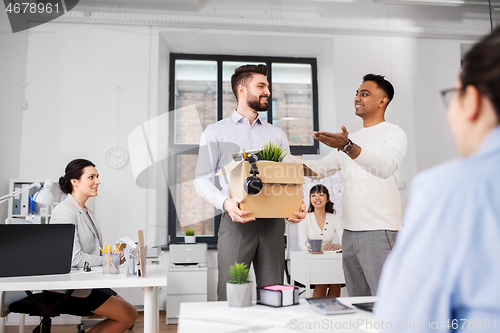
272, 152
238, 273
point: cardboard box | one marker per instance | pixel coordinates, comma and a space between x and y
281, 194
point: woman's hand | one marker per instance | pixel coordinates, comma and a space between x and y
336, 247
331, 247
327, 247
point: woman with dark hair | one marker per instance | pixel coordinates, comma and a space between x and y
321, 223
443, 271
80, 182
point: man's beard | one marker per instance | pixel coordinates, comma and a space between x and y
254, 102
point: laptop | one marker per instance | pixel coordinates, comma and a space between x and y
35, 249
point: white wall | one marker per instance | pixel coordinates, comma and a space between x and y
74, 111
418, 69
12, 69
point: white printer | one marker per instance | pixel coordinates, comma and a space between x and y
187, 277
182, 255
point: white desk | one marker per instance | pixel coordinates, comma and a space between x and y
156, 275
308, 320
308, 268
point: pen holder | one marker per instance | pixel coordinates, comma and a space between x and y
111, 263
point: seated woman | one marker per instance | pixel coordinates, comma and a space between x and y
321, 223
80, 183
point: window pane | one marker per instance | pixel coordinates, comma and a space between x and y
292, 102
229, 101
195, 83
189, 205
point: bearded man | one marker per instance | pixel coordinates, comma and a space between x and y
242, 239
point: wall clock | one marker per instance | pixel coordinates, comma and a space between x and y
117, 157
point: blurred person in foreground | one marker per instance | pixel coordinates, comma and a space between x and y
443, 272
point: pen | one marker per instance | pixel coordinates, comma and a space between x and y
102, 250
117, 248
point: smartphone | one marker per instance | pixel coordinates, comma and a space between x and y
365, 306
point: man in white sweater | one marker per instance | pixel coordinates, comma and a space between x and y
370, 160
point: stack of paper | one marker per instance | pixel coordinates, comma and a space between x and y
278, 295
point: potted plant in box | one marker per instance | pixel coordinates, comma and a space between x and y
272, 152
189, 236
239, 289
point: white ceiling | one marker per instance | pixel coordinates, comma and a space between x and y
253, 43
141, 5
155, 6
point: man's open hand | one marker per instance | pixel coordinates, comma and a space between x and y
334, 140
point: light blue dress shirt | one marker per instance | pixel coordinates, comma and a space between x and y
223, 138
444, 271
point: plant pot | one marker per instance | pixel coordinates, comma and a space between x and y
189, 239
239, 295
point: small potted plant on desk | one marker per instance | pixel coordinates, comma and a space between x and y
239, 289
190, 237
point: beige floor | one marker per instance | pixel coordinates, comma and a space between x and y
138, 327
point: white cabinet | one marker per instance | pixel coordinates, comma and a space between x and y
187, 284
19, 206
187, 277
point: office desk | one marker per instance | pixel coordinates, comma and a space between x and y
308, 268
191, 318
156, 275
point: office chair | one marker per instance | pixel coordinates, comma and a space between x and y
37, 305
27, 306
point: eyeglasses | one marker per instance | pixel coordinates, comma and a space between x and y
447, 96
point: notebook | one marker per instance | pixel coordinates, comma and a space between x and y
35, 249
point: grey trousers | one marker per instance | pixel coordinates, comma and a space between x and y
260, 242
363, 256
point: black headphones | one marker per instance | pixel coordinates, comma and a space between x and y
253, 184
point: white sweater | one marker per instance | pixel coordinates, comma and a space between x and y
309, 229
371, 199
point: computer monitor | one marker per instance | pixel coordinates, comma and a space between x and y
35, 249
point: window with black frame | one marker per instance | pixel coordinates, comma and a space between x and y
205, 82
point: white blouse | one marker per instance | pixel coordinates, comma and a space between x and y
309, 229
